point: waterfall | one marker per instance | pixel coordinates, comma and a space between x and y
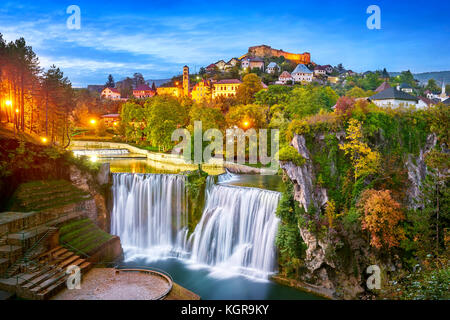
237, 230
226, 177
150, 213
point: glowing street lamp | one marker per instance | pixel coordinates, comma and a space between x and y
8, 103
93, 158
93, 121
44, 140
17, 110
246, 124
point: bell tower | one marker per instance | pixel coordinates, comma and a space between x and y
186, 81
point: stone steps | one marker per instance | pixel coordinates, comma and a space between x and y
47, 277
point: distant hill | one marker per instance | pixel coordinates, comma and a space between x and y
425, 76
157, 82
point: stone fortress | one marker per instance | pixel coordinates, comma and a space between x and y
267, 51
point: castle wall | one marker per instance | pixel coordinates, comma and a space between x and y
263, 50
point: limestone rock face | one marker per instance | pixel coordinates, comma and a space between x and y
103, 174
96, 209
417, 171
303, 177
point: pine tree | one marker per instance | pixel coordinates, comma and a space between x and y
110, 83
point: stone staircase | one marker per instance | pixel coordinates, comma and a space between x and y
45, 275
37, 248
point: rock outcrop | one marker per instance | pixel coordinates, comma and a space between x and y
303, 178
97, 211
417, 171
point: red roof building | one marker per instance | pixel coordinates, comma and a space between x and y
143, 91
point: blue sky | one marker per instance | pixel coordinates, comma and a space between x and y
157, 37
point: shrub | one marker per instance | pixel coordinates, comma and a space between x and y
289, 153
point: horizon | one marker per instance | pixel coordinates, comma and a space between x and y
119, 39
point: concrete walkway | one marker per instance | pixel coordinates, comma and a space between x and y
110, 284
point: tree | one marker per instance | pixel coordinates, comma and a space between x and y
154, 87
251, 84
382, 216
356, 92
276, 94
385, 74
110, 83
138, 79
364, 160
309, 100
432, 86
163, 115
247, 116
344, 106
211, 117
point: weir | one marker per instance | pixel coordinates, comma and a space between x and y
236, 232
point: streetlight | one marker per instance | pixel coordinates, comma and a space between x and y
44, 140
8, 103
246, 124
93, 121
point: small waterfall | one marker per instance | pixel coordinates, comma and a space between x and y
226, 177
237, 230
150, 213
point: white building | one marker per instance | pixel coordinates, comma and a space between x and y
111, 93
319, 70
273, 68
301, 73
284, 78
393, 98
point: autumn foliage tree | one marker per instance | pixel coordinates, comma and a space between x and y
344, 106
381, 218
365, 161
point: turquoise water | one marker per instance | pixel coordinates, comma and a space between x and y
209, 283
209, 286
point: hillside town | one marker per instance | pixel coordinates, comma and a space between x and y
277, 67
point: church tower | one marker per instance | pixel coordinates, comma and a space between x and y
186, 81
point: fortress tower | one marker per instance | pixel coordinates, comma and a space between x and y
186, 81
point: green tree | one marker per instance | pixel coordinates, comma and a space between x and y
247, 116
432, 86
309, 100
210, 117
251, 84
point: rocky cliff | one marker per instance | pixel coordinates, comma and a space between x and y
336, 261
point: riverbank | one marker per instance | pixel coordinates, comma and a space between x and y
214, 165
305, 287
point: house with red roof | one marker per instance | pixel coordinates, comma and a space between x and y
110, 93
284, 78
143, 91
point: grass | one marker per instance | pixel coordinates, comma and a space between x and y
83, 235
42, 195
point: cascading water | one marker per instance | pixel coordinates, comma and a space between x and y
237, 230
150, 213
